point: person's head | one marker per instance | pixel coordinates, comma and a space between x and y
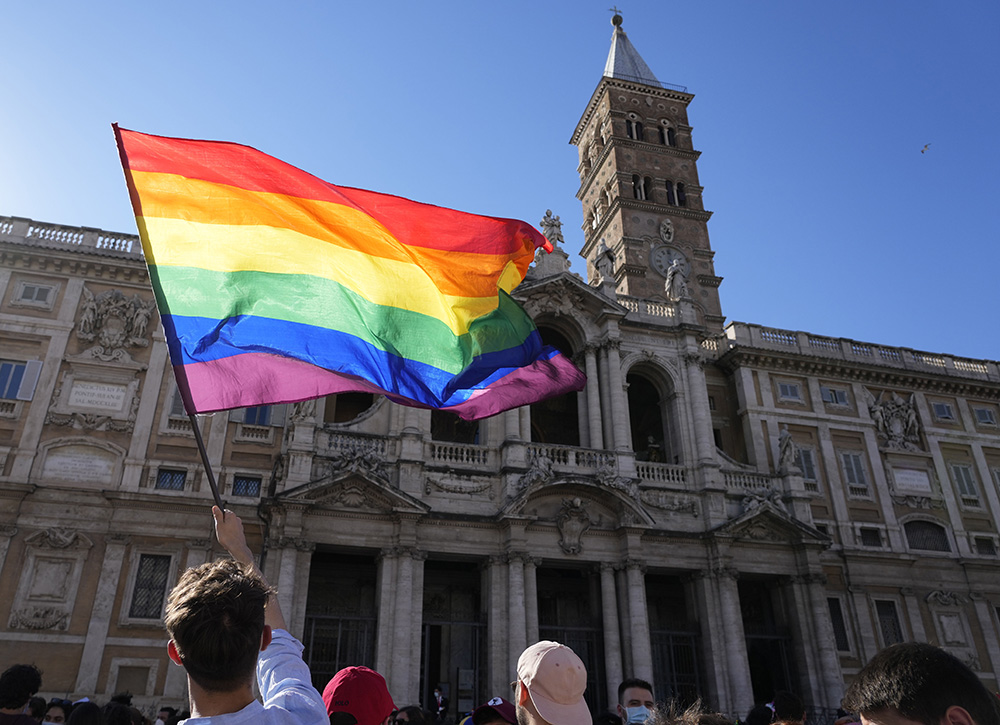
788, 707
635, 700
411, 714
215, 619
166, 713
58, 710
17, 684
360, 692
86, 713
495, 712
674, 713
919, 683
551, 680
36, 707
115, 713
760, 715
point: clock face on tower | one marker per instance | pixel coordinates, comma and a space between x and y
662, 257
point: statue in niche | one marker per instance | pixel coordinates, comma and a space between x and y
552, 227
676, 284
896, 424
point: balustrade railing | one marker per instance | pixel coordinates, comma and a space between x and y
460, 454
661, 473
572, 457
743, 481
33, 233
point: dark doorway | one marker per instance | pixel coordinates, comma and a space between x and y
767, 639
569, 611
453, 654
645, 411
340, 622
674, 638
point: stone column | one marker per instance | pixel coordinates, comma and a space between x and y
512, 424
642, 653
7, 532
287, 560
912, 604
145, 422
100, 615
530, 600
612, 640
738, 667
825, 642
712, 645
866, 629
698, 400
398, 677
524, 413
417, 559
621, 431
989, 633
516, 619
297, 614
605, 398
385, 626
496, 576
593, 392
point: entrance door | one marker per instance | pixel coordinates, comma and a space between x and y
767, 640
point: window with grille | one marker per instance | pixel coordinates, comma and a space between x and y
985, 546
854, 474
246, 485
839, 625
943, 411
985, 416
871, 537
926, 536
834, 396
888, 622
150, 586
789, 391
168, 479
965, 481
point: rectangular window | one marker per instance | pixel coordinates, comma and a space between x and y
871, 537
34, 293
150, 587
789, 391
943, 411
170, 480
258, 415
854, 474
807, 463
985, 416
18, 379
965, 482
834, 396
246, 485
711, 402
985, 546
888, 622
839, 626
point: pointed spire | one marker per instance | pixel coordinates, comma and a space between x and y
624, 61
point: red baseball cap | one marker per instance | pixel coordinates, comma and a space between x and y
361, 692
495, 707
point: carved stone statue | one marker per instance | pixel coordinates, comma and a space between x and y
552, 227
605, 263
114, 320
539, 470
303, 409
787, 452
676, 285
896, 422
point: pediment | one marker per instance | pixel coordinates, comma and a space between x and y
565, 294
767, 523
352, 490
607, 506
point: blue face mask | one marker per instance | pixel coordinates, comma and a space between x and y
636, 715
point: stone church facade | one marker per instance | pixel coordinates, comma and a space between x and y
724, 510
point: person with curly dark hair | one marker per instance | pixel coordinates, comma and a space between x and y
17, 685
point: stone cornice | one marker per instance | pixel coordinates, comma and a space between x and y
652, 207
869, 373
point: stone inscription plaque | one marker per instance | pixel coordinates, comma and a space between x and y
97, 395
83, 464
912, 479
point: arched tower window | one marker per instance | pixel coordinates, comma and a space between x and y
650, 417
638, 190
556, 420
633, 129
671, 137
671, 196
647, 188
681, 196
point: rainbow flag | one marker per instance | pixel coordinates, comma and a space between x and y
274, 286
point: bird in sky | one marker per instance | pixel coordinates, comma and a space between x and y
926, 146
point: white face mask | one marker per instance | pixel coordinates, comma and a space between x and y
47, 722
636, 715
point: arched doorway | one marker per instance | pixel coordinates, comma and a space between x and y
649, 412
556, 420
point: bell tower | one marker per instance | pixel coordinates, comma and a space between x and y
639, 188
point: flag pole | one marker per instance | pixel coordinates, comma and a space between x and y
205, 462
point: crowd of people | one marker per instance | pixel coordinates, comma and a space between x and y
228, 633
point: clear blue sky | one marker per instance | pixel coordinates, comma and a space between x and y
810, 116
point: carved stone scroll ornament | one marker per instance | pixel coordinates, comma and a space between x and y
359, 458
572, 520
607, 475
38, 618
754, 499
666, 502
945, 599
